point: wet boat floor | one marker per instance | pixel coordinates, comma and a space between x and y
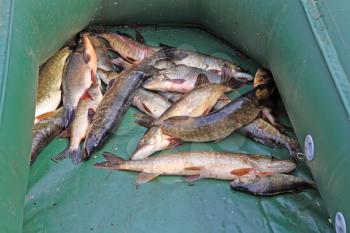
66, 198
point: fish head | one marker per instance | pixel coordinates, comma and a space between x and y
262, 76
243, 183
164, 64
271, 165
153, 140
158, 82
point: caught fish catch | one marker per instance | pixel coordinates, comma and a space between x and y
118, 98
198, 164
50, 78
80, 72
217, 125
45, 130
271, 184
84, 115
195, 103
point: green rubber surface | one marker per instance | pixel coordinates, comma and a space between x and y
62, 197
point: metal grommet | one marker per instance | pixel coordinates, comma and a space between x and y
309, 147
340, 225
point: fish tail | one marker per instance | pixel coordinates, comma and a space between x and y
111, 160
75, 155
228, 79
144, 120
67, 116
64, 154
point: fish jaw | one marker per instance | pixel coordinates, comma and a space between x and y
153, 141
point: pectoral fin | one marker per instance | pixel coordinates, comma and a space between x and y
144, 177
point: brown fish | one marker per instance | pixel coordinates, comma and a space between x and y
216, 125
118, 98
84, 114
45, 130
131, 50
150, 103
49, 85
195, 103
263, 132
80, 72
271, 184
198, 164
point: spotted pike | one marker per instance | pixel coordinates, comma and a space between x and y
45, 130
216, 125
50, 78
270, 184
117, 100
198, 164
80, 72
84, 115
131, 50
195, 103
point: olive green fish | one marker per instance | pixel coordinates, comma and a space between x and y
50, 78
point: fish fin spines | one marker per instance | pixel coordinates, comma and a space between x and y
111, 160
201, 79
64, 154
144, 120
75, 155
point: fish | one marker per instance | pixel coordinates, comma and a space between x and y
80, 72
195, 103
107, 76
195, 165
270, 184
48, 127
182, 78
216, 125
118, 98
103, 61
215, 64
131, 50
48, 95
84, 115
150, 103
263, 132
164, 64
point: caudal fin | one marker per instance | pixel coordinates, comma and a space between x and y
67, 116
74, 154
112, 161
64, 154
144, 120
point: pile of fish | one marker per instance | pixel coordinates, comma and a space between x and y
84, 91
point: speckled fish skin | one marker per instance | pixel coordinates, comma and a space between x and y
263, 132
116, 101
179, 78
217, 125
195, 103
131, 50
87, 104
103, 60
44, 131
79, 73
50, 78
204, 164
272, 184
150, 103
207, 62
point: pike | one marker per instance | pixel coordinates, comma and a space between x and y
196, 165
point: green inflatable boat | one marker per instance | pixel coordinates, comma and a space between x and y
305, 43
